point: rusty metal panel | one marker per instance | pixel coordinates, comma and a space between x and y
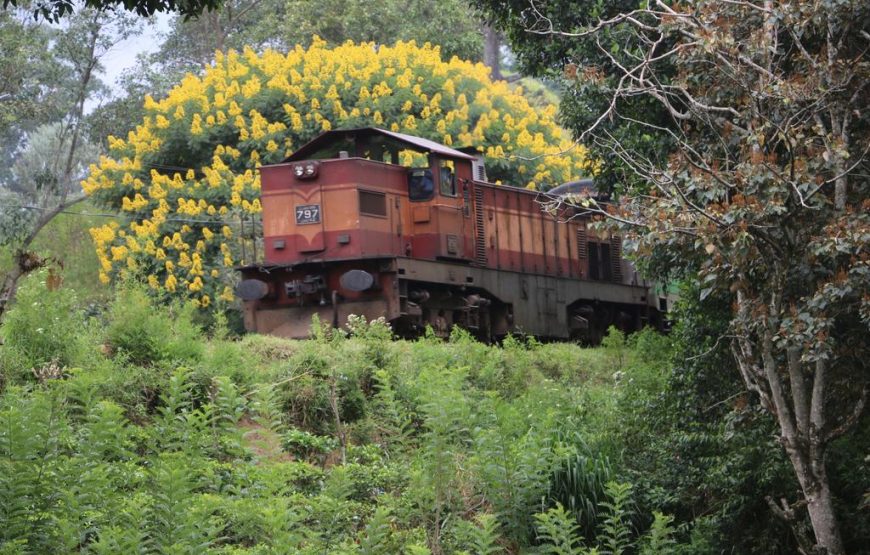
494, 254
616, 257
582, 243
480, 247
570, 229
547, 245
522, 224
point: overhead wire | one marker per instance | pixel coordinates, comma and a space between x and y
116, 216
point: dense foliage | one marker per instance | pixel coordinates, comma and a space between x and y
49, 77
586, 70
757, 183
55, 10
190, 44
131, 432
186, 179
451, 24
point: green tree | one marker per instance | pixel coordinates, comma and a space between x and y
23, 44
55, 10
52, 159
283, 24
190, 44
186, 179
700, 445
31, 92
452, 24
579, 68
762, 188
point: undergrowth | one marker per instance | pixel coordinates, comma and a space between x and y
133, 432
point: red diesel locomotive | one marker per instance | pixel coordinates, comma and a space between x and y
349, 230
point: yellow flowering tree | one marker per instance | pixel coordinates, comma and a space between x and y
186, 178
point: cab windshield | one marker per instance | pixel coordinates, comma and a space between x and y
421, 185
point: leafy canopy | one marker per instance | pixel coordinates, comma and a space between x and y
188, 173
757, 183
55, 10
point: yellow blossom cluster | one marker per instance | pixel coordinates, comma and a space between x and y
185, 179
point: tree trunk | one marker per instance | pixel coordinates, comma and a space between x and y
10, 286
492, 51
796, 398
820, 505
26, 262
813, 479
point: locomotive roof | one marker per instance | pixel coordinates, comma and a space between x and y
415, 143
580, 186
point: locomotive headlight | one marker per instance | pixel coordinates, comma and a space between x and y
306, 170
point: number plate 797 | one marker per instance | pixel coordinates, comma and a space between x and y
308, 214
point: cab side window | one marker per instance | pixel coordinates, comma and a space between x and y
447, 178
421, 185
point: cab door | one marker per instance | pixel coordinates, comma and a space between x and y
453, 219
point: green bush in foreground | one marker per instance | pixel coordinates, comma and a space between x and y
347, 443
45, 333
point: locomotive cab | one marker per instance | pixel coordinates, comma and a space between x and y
353, 201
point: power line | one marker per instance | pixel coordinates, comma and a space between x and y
116, 216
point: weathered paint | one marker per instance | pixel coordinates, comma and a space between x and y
498, 239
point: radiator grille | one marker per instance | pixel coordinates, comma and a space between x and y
372, 204
582, 243
479, 231
616, 257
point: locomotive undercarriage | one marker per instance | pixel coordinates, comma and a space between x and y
442, 307
415, 294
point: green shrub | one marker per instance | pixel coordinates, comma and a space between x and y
660, 538
178, 443
558, 531
43, 333
147, 333
307, 446
578, 485
135, 388
480, 537
615, 533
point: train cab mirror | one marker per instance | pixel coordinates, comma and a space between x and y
447, 178
421, 185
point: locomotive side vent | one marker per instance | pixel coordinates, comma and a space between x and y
479, 232
582, 243
479, 169
372, 204
616, 257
